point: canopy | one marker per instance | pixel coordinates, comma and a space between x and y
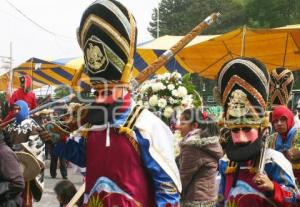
150, 51
4, 80
204, 55
274, 47
53, 72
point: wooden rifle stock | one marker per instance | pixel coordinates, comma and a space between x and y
262, 158
167, 55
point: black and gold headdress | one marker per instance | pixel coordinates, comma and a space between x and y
244, 86
281, 85
107, 35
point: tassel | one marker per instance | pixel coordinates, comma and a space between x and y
230, 170
107, 135
126, 130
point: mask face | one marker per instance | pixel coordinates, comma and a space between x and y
108, 95
246, 145
101, 113
244, 135
21, 111
25, 83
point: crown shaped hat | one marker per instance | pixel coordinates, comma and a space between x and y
107, 35
243, 84
281, 85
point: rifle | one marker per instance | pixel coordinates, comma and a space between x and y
262, 158
39, 108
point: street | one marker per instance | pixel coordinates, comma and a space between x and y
49, 196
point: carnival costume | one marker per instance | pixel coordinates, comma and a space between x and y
281, 85
243, 85
129, 158
24, 137
24, 94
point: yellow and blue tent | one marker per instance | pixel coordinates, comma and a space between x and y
52, 73
66, 71
150, 51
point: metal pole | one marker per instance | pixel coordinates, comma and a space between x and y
243, 41
11, 72
157, 23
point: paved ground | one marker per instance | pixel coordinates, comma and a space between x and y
49, 197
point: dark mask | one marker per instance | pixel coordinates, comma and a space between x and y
99, 113
243, 153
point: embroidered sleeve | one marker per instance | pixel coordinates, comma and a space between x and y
166, 192
284, 187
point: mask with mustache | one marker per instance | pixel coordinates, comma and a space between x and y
100, 113
245, 152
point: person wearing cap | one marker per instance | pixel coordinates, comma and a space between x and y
11, 178
286, 138
23, 93
251, 173
24, 136
128, 153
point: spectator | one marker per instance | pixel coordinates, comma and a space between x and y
65, 191
11, 178
286, 137
199, 157
53, 164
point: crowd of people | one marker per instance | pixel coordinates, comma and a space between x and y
248, 157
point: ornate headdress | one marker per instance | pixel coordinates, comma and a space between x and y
107, 35
281, 85
243, 84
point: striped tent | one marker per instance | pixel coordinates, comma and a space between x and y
53, 73
150, 51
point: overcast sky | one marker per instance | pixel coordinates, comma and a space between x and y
61, 17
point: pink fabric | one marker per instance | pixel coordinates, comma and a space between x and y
120, 163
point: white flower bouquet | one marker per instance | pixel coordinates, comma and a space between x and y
166, 93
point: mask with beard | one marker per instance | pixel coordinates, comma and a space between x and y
100, 113
242, 153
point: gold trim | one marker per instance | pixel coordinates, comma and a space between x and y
108, 29
136, 113
126, 75
282, 92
